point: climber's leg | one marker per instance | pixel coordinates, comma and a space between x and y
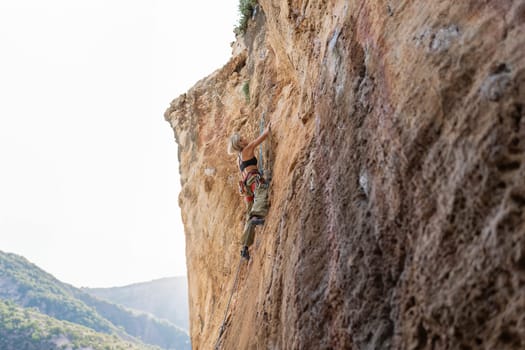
244, 252
260, 201
249, 233
249, 205
257, 220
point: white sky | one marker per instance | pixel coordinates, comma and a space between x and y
88, 166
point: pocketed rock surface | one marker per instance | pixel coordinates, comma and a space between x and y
398, 192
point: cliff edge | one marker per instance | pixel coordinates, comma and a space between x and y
398, 192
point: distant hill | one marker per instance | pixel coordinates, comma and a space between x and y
25, 288
146, 327
28, 329
165, 298
29, 286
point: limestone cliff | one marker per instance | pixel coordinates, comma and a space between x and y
398, 193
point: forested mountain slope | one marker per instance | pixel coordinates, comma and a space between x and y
26, 289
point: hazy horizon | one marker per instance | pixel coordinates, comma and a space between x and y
89, 178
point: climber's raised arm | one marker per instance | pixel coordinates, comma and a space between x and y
249, 149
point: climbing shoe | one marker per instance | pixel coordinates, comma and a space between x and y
257, 220
244, 252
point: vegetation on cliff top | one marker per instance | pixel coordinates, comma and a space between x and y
246, 8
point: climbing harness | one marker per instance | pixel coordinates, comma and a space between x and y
245, 184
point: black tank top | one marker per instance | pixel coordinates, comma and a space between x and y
246, 163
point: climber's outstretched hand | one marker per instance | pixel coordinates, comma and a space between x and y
268, 128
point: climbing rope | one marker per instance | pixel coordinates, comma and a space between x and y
261, 168
268, 165
265, 166
221, 330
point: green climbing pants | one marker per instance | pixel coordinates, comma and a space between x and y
259, 207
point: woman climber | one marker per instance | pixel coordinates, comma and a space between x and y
252, 186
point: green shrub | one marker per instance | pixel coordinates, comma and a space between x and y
246, 8
246, 90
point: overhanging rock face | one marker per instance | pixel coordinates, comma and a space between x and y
398, 193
